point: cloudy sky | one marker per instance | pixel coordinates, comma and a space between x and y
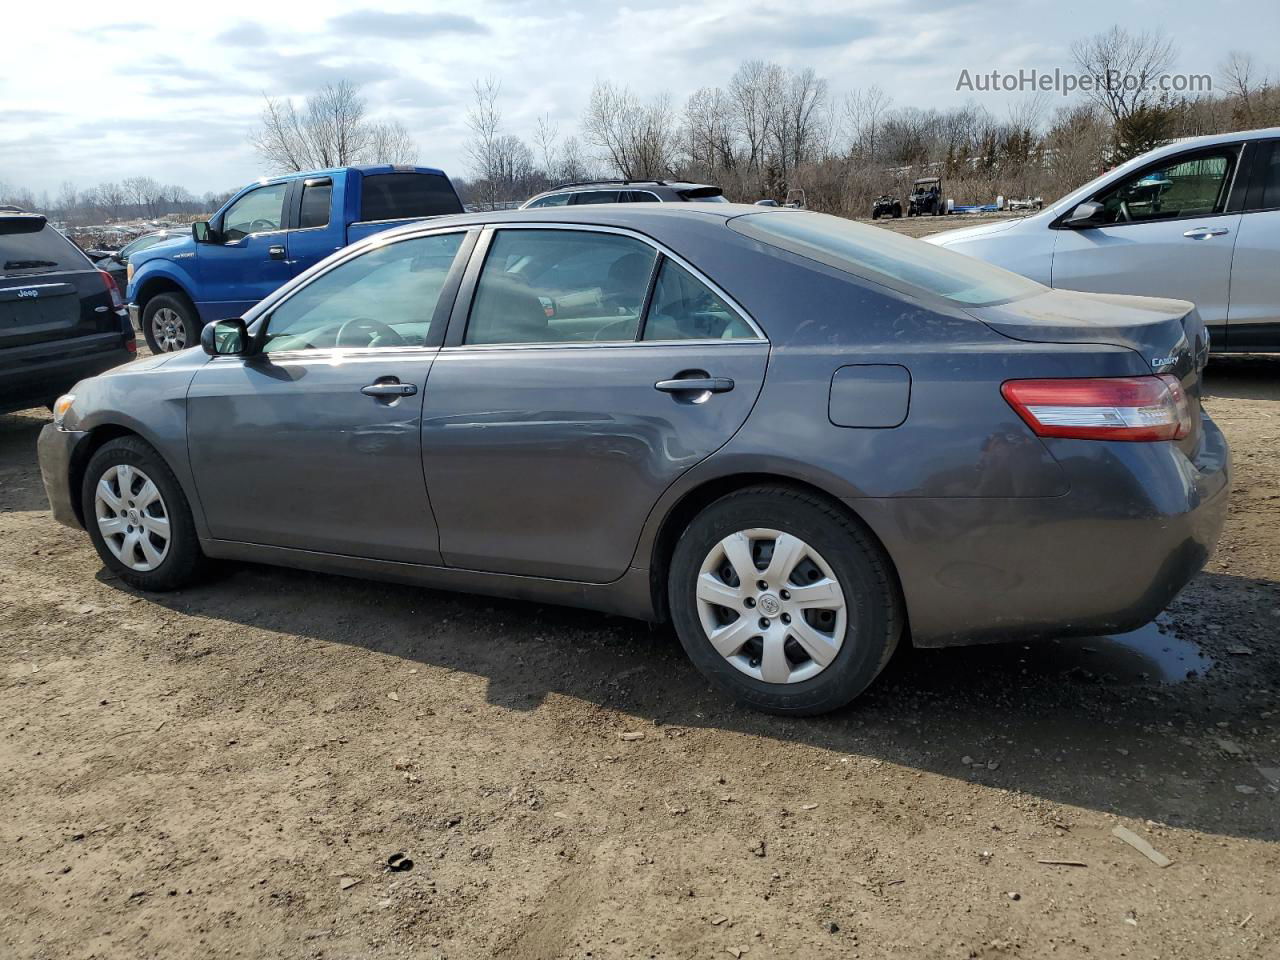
104, 90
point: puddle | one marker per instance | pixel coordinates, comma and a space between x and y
1149, 654
1152, 652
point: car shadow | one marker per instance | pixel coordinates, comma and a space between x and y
1251, 377
20, 485
1132, 725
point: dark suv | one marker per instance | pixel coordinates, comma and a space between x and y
626, 191
61, 319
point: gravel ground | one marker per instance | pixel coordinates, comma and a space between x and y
225, 771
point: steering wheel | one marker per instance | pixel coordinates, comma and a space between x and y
374, 329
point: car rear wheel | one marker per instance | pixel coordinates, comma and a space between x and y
784, 601
169, 323
138, 517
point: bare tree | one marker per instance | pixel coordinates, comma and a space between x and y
547, 135
485, 121
1244, 81
638, 140
755, 88
864, 111
391, 143
329, 131
1125, 66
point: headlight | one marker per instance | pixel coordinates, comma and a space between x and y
128, 273
61, 406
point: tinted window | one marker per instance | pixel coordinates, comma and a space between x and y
24, 254
383, 298
1183, 188
882, 256
596, 196
555, 200
258, 211
394, 196
315, 204
560, 286
685, 308
639, 196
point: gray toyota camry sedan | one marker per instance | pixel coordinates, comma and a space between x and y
800, 439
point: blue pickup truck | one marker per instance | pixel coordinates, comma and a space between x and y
267, 234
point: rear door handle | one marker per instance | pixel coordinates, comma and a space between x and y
389, 388
275, 251
1204, 233
695, 385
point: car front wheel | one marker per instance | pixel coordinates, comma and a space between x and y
784, 601
138, 518
169, 323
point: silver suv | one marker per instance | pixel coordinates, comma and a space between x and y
626, 191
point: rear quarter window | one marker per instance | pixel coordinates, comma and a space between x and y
884, 257
44, 251
395, 196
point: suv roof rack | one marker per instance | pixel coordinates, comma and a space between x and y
598, 183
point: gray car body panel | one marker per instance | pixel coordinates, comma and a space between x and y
994, 533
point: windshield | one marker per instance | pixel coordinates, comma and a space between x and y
884, 257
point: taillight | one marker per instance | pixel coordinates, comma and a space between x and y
1105, 408
117, 301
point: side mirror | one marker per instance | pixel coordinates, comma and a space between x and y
1086, 214
200, 231
225, 338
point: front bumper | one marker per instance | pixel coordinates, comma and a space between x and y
57, 449
135, 318
1137, 524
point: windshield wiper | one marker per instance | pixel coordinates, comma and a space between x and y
28, 264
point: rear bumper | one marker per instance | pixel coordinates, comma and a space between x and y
56, 449
1139, 521
37, 374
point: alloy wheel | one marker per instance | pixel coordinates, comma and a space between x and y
169, 330
132, 517
771, 606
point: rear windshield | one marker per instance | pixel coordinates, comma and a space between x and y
45, 251
882, 256
395, 196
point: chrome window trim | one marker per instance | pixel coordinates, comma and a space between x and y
661, 248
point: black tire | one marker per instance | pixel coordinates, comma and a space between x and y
875, 214
874, 607
187, 315
897, 213
184, 562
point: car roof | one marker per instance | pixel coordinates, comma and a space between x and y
366, 169
634, 215
1213, 139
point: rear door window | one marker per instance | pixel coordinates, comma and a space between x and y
685, 308
316, 198
1264, 191
398, 196
555, 200
560, 286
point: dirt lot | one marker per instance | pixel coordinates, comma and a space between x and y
224, 772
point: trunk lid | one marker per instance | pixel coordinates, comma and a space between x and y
1168, 334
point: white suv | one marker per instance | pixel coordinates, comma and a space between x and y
1197, 220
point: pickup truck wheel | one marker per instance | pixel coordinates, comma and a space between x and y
169, 323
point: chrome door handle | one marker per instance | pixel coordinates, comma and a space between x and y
275, 251
386, 389
1204, 233
695, 385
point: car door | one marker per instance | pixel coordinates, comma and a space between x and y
312, 235
1253, 318
314, 442
250, 259
584, 371
1166, 230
